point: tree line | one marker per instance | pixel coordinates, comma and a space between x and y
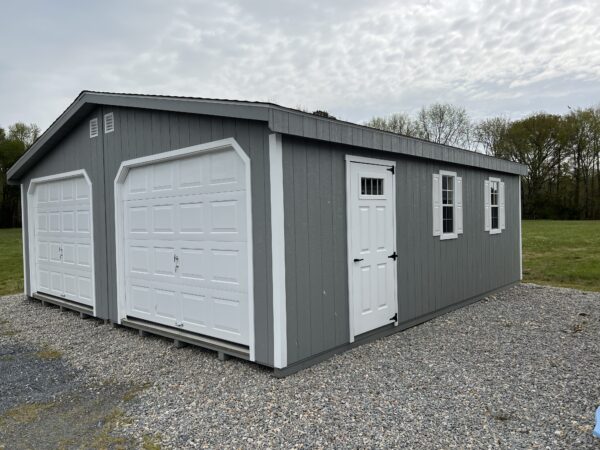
13, 144
562, 152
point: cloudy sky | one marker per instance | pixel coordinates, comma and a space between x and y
353, 58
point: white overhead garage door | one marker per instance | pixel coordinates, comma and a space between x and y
60, 212
186, 244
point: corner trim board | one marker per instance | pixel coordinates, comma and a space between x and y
278, 252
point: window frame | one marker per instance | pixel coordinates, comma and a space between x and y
454, 234
493, 230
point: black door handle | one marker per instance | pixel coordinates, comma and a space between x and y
393, 256
358, 259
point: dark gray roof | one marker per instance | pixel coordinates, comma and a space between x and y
280, 120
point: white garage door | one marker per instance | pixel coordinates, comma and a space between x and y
63, 239
186, 246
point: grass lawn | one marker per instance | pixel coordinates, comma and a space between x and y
559, 253
11, 261
562, 253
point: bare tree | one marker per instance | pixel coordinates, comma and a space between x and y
490, 134
445, 124
400, 123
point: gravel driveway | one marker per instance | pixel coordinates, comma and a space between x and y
520, 369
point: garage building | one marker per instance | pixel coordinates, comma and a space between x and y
259, 231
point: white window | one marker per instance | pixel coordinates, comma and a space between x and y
93, 128
109, 123
495, 219
447, 205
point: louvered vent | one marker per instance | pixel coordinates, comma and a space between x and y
109, 123
93, 128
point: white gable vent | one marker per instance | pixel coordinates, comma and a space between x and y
109, 123
93, 128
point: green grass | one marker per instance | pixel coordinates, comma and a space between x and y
562, 253
11, 261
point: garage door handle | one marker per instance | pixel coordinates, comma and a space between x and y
358, 259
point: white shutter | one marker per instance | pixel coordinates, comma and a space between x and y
437, 207
501, 208
459, 206
487, 194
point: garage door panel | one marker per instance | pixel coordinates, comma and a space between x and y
54, 222
83, 221
55, 252
162, 218
192, 217
70, 285
138, 219
68, 221
69, 252
196, 311
84, 255
56, 283
192, 263
186, 242
54, 192
164, 261
85, 289
68, 190
230, 318
166, 305
44, 279
141, 301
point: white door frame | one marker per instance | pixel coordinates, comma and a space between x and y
377, 162
223, 144
31, 225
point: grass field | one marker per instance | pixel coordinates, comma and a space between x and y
562, 253
11, 261
558, 253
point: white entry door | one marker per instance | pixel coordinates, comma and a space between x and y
62, 235
372, 235
186, 244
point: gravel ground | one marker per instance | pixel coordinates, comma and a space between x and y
517, 370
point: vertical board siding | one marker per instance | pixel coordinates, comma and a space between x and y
432, 274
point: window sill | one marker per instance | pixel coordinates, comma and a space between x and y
446, 236
495, 231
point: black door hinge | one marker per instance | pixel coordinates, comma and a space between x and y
395, 318
358, 259
393, 256
391, 169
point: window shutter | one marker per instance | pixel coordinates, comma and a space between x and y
459, 206
487, 194
501, 208
437, 207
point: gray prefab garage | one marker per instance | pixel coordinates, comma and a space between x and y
259, 231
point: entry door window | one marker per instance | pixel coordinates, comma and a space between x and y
495, 204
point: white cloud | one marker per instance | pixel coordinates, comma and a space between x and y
355, 59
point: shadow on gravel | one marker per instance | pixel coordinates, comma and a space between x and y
45, 404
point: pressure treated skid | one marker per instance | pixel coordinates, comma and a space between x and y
299, 228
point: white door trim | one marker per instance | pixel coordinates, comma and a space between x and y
31, 225
119, 219
378, 162
25, 291
278, 252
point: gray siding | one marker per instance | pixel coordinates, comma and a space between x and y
140, 132
432, 274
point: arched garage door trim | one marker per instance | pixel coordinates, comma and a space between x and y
31, 220
126, 166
